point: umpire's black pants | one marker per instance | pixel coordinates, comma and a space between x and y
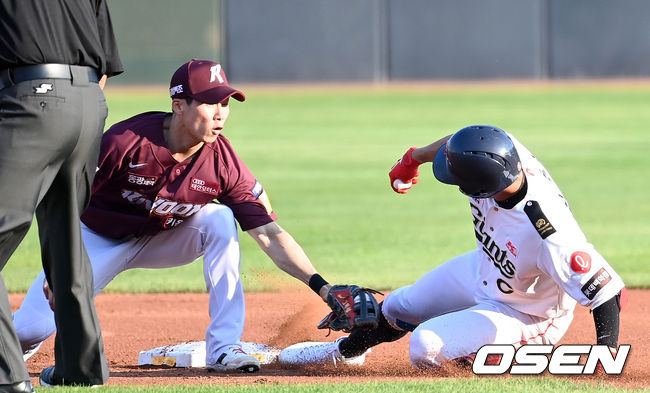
50, 130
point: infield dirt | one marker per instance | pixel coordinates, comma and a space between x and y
131, 323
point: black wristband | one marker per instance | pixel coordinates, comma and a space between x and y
316, 282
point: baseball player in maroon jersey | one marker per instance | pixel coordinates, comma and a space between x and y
520, 285
152, 206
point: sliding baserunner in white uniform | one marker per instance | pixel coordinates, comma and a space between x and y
519, 285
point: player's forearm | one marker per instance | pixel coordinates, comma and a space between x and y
427, 153
284, 251
606, 320
291, 259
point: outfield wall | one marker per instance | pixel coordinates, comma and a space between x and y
383, 40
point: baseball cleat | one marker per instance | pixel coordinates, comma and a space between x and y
31, 351
235, 359
48, 378
318, 353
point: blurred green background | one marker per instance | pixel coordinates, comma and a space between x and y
323, 155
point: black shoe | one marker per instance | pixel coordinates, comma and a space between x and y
48, 378
18, 387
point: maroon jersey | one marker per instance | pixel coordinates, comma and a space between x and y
140, 189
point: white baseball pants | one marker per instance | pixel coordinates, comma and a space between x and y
452, 324
211, 233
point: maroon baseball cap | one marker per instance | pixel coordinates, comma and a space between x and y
204, 81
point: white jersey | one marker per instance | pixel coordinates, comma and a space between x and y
534, 256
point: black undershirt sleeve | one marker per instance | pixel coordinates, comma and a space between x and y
606, 319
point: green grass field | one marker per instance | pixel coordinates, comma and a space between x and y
473, 385
323, 155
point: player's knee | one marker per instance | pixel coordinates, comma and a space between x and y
32, 328
218, 218
397, 312
425, 349
218, 212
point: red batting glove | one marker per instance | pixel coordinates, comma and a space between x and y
404, 174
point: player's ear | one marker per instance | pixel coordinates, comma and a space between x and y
177, 106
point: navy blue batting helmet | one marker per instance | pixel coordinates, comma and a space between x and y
481, 160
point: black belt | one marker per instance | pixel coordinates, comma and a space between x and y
12, 76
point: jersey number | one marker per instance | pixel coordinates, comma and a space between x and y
504, 286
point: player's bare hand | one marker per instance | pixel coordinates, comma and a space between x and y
404, 174
49, 295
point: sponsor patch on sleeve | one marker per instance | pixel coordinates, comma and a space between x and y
596, 283
260, 195
539, 220
257, 189
580, 262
